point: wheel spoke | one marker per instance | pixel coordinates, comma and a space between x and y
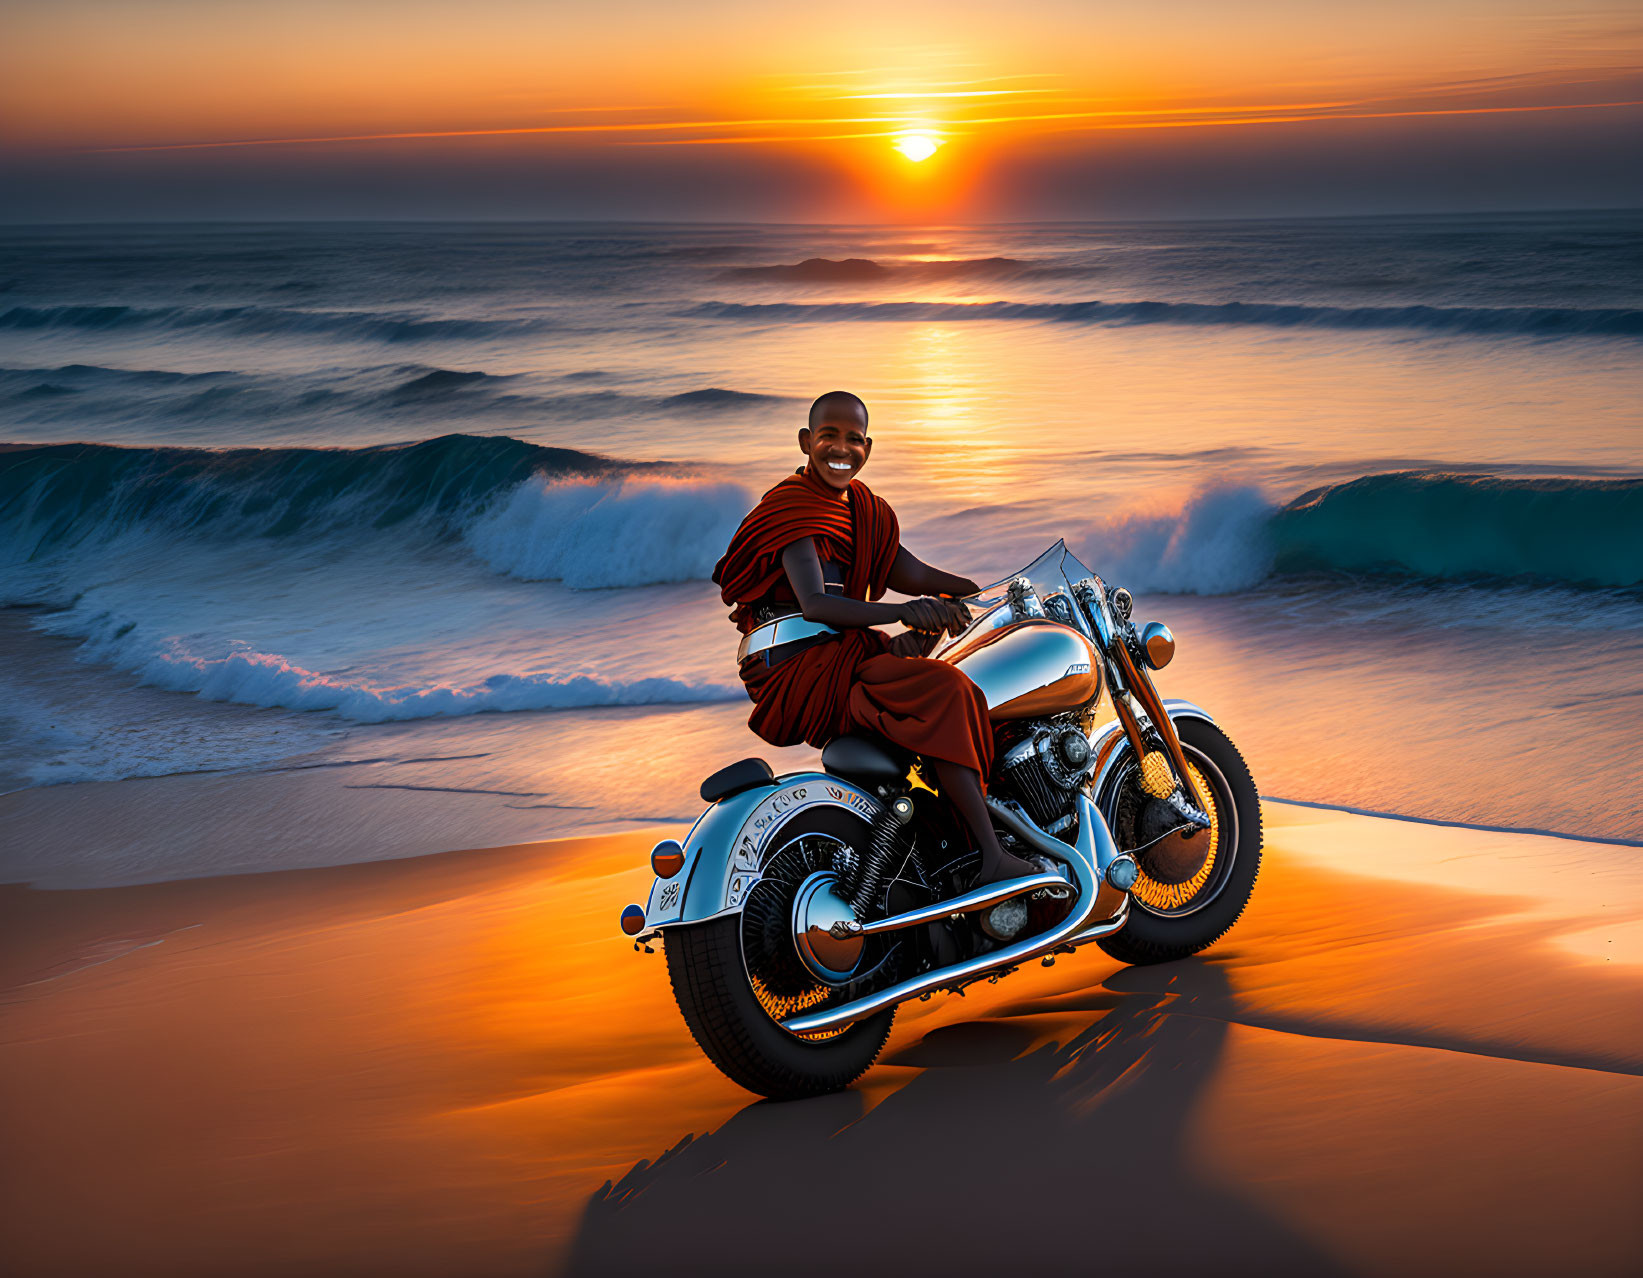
1173, 896
781, 983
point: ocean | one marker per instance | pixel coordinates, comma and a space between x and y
441, 500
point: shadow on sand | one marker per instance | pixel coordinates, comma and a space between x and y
999, 1156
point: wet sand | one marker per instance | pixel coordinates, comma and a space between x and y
1421, 1051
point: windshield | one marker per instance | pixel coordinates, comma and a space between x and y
1052, 577
1053, 572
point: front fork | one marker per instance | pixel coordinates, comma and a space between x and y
1127, 679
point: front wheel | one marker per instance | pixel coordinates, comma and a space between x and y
736, 977
1187, 905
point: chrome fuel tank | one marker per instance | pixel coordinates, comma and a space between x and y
1033, 668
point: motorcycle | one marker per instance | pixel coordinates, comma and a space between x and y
801, 910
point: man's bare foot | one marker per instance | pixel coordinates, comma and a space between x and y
997, 867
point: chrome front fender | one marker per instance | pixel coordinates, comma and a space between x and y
725, 850
1109, 747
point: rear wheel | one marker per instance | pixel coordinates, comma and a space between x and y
738, 976
1189, 902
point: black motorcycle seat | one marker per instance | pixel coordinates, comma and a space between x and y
744, 774
866, 760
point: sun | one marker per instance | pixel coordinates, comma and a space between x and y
917, 147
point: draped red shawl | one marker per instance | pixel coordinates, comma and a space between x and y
805, 698
862, 535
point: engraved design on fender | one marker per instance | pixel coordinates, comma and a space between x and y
747, 862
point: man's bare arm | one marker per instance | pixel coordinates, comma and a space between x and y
910, 575
804, 575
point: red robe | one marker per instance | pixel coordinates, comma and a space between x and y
853, 683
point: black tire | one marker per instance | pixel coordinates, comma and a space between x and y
1154, 937
708, 966
704, 962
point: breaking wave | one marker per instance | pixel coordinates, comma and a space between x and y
541, 513
56, 495
627, 532
1465, 321
523, 509
1584, 532
161, 561
214, 572
1415, 526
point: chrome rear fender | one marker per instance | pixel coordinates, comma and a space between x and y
728, 846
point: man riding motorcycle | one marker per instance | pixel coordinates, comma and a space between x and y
824, 522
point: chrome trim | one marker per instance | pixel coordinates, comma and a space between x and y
1024, 600
1089, 593
818, 912
992, 604
773, 634
1123, 872
1035, 668
1088, 859
1177, 710
726, 848
1114, 924
1102, 850
1157, 645
978, 899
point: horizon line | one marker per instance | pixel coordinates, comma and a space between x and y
481, 219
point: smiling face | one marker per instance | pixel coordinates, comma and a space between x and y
837, 444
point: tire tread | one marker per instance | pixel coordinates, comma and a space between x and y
704, 964
1128, 947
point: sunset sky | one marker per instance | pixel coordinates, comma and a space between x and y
1037, 109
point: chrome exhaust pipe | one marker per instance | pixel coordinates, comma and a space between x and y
978, 899
1024, 828
1087, 859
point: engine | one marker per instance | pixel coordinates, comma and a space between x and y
1043, 770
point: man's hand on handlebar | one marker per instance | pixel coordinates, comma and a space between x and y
934, 615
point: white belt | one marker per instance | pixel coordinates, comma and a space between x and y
775, 633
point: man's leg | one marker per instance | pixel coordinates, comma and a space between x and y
961, 787
934, 710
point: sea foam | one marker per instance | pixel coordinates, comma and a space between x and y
623, 532
247, 677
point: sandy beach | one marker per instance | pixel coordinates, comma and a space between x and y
1420, 1051
405, 409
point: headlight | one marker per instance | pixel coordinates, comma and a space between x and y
1157, 644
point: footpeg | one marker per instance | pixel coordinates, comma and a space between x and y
980, 898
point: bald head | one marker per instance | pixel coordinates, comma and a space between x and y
837, 404
836, 440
